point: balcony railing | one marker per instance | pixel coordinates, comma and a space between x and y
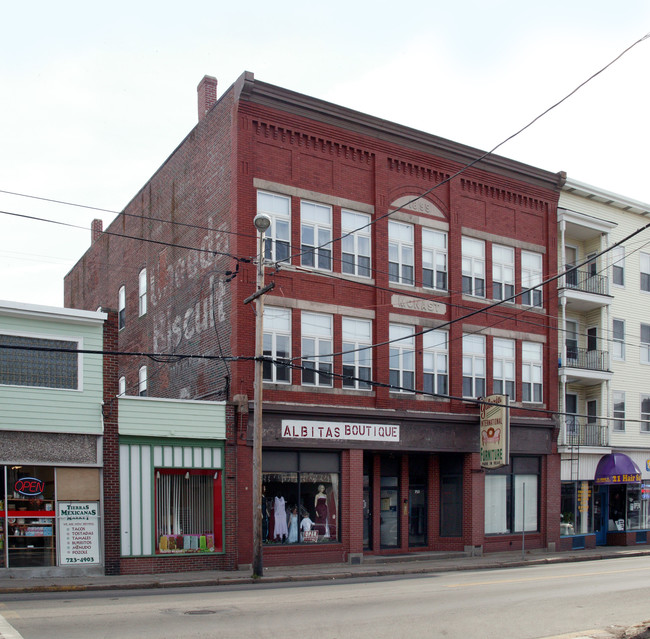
580, 432
584, 281
584, 358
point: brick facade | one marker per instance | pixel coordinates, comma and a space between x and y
197, 211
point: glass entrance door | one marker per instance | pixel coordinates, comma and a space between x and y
389, 512
367, 514
417, 516
601, 514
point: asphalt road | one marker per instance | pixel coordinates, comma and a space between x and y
517, 603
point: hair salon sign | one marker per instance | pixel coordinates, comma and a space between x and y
340, 431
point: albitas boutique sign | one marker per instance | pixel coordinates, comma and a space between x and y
294, 429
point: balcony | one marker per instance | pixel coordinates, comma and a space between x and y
585, 366
584, 291
580, 432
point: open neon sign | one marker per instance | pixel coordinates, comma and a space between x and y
29, 486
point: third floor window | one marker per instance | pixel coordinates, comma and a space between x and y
400, 253
316, 235
355, 245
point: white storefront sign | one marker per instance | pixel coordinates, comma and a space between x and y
294, 429
78, 533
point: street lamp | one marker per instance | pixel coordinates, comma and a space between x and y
262, 223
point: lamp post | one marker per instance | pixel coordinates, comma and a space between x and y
262, 223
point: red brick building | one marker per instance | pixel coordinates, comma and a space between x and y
378, 343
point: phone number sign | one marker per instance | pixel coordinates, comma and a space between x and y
79, 533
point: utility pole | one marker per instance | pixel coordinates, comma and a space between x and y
262, 223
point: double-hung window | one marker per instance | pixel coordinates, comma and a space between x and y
142, 381
355, 244
618, 266
400, 253
618, 339
316, 235
503, 272
316, 349
434, 259
531, 373
121, 386
357, 353
473, 267
645, 413
474, 365
503, 363
435, 362
402, 357
142, 292
644, 348
121, 308
531, 276
277, 240
619, 410
277, 344
644, 260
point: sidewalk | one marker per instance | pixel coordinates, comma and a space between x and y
376, 567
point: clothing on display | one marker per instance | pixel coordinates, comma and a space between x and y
293, 528
320, 503
280, 529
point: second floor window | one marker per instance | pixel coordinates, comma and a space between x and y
473, 267
121, 387
619, 410
645, 413
357, 353
474, 366
531, 276
434, 259
277, 344
316, 235
618, 339
618, 266
503, 272
400, 253
316, 349
402, 358
503, 363
531, 373
121, 308
644, 348
355, 245
277, 241
142, 381
644, 261
142, 292
434, 362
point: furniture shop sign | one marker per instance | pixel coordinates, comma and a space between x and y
78, 533
339, 431
494, 432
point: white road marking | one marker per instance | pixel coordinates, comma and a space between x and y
7, 631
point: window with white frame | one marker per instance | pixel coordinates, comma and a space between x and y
503, 367
474, 366
400, 253
618, 339
503, 272
619, 410
644, 261
357, 353
121, 308
402, 357
277, 344
142, 381
121, 386
618, 266
316, 235
644, 347
531, 276
473, 267
645, 413
434, 259
56, 366
355, 244
435, 362
316, 349
277, 239
531, 373
142, 292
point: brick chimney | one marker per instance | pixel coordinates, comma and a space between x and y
96, 230
207, 91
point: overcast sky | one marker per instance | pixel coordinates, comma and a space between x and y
94, 99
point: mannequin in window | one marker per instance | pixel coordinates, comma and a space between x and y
320, 504
280, 530
293, 526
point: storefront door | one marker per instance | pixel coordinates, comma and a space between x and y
601, 510
367, 514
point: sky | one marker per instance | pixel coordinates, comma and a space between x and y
93, 99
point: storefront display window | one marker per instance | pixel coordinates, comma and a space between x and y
577, 508
300, 501
185, 510
511, 497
